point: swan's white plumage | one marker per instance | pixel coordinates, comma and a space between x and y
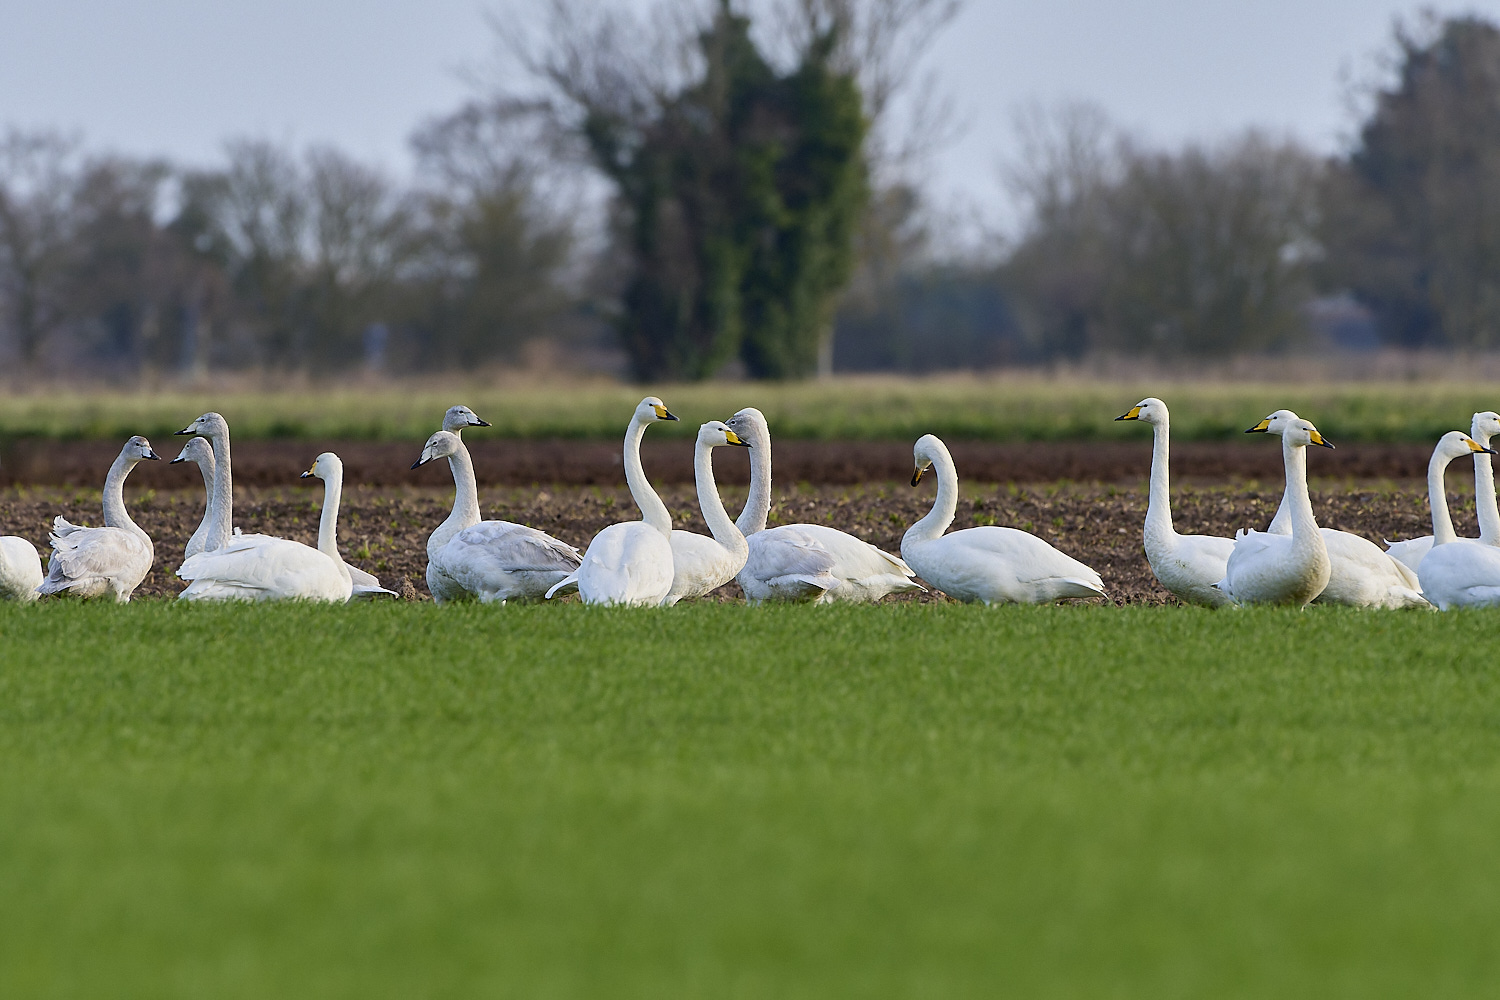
489, 561
107, 561
1458, 572
1483, 426
1282, 569
1189, 566
1360, 574
804, 562
992, 565
630, 563
263, 568
20, 569
703, 563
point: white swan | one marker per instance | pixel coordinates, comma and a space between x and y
20, 569
112, 560
1360, 574
986, 564
1187, 565
1266, 568
493, 561
1482, 428
330, 468
201, 453
630, 563
700, 563
263, 568
804, 562
1457, 572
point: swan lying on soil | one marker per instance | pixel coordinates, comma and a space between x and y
1484, 426
1457, 572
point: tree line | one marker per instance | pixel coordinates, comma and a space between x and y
723, 190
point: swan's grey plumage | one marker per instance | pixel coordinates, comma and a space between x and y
989, 565
492, 561
804, 562
630, 563
107, 561
200, 452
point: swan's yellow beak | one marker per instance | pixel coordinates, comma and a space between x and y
734, 438
1476, 446
1261, 427
1134, 413
661, 412
916, 477
1319, 440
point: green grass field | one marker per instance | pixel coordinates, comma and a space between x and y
722, 801
1001, 408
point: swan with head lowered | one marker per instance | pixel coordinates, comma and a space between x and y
1187, 565
1360, 574
989, 564
264, 568
1457, 572
1266, 568
20, 569
103, 562
1484, 426
491, 561
630, 563
804, 562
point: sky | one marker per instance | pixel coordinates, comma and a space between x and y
176, 77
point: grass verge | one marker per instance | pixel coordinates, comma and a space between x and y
717, 801
1000, 408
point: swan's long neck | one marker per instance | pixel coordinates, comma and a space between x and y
328, 523
1159, 506
653, 511
1437, 499
1484, 492
221, 500
714, 514
1296, 499
943, 508
205, 466
758, 503
115, 514
465, 500
1281, 524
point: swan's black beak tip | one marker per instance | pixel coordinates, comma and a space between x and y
152, 456
417, 464
185, 430
174, 461
476, 422
305, 475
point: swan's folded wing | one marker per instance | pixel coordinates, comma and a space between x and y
1030, 558
789, 552
97, 552
509, 548
259, 565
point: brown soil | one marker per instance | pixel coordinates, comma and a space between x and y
589, 463
385, 530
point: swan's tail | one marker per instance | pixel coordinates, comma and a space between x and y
571, 580
1404, 597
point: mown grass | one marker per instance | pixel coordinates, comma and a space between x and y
915, 801
1010, 408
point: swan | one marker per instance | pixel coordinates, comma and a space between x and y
20, 569
494, 561
804, 562
330, 468
986, 564
1187, 565
201, 453
1266, 568
459, 417
1484, 426
630, 563
114, 559
701, 563
220, 510
264, 568
1360, 574
1457, 572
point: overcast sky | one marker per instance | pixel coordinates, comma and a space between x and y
175, 77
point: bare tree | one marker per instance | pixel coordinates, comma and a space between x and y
38, 185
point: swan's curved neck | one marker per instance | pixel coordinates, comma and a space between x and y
1304, 526
1437, 499
943, 508
714, 514
653, 511
115, 514
221, 499
1484, 492
465, 499
328, 523
1281, 524
758, 503
206, 467
1159, 505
